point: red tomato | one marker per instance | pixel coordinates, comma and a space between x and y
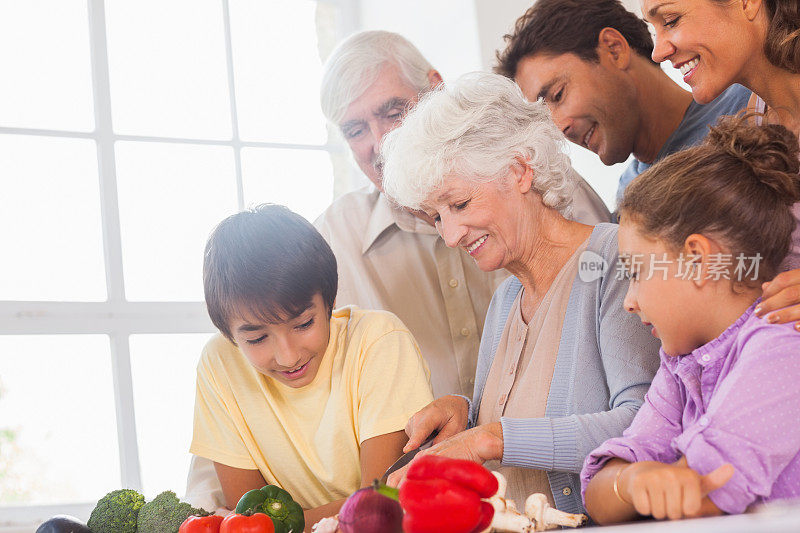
239, 523
201, 524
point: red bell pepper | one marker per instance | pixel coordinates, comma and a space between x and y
465, 473
438, 505
201, 524
487, 513
247, 523
442, 495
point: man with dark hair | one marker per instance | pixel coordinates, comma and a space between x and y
590, 60
294, 393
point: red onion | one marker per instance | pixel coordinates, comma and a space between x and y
369, 511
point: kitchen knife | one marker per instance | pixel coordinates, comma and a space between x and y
407, 457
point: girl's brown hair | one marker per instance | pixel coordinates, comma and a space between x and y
738, 185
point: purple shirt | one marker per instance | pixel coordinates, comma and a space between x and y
734, 400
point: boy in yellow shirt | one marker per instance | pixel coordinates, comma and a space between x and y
292, 393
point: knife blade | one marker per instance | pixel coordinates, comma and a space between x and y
408, 457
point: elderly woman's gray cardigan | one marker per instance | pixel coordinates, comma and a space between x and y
606, 360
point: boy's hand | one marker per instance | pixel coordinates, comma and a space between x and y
672, 491
781, 299
448, 414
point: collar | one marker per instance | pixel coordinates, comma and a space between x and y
718, 348
386, 214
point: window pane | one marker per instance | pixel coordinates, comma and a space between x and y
302, 180
58, 433
168, 69
50, 209
170, 198
163, 369
46, 65
277, 69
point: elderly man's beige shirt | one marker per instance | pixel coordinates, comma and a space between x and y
389, 259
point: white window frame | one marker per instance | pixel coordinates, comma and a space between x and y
117, 317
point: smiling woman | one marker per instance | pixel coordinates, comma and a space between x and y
560, 365
755, 43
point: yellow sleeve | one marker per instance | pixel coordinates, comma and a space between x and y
216, 435
394, 383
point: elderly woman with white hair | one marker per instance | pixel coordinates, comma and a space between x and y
562, 367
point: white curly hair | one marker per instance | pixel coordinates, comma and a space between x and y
476, 129
356, 63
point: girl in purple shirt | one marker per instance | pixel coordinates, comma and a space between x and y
718, 431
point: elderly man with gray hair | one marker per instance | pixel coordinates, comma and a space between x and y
562, 366
392, 258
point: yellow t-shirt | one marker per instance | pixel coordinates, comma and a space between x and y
308, 440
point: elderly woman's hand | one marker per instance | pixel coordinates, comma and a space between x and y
781, 299
479, 444
447, 414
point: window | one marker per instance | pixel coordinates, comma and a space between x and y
127, 131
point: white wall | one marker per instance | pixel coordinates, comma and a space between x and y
495, 19
633, 5
445, 31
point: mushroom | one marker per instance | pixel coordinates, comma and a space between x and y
539, 516
498, 500
511, 521
327, 525
506, 517
502, 484
544, 517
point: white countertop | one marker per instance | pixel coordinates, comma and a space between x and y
771, 520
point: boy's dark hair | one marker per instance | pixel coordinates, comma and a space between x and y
267, 262
556, 27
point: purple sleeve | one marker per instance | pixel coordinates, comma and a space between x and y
650, 435
751, 421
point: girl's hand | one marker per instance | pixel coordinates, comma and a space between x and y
672, 491
781, 299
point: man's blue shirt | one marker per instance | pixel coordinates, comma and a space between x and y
692, 129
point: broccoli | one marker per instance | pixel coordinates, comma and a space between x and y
116, 512
165, 514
